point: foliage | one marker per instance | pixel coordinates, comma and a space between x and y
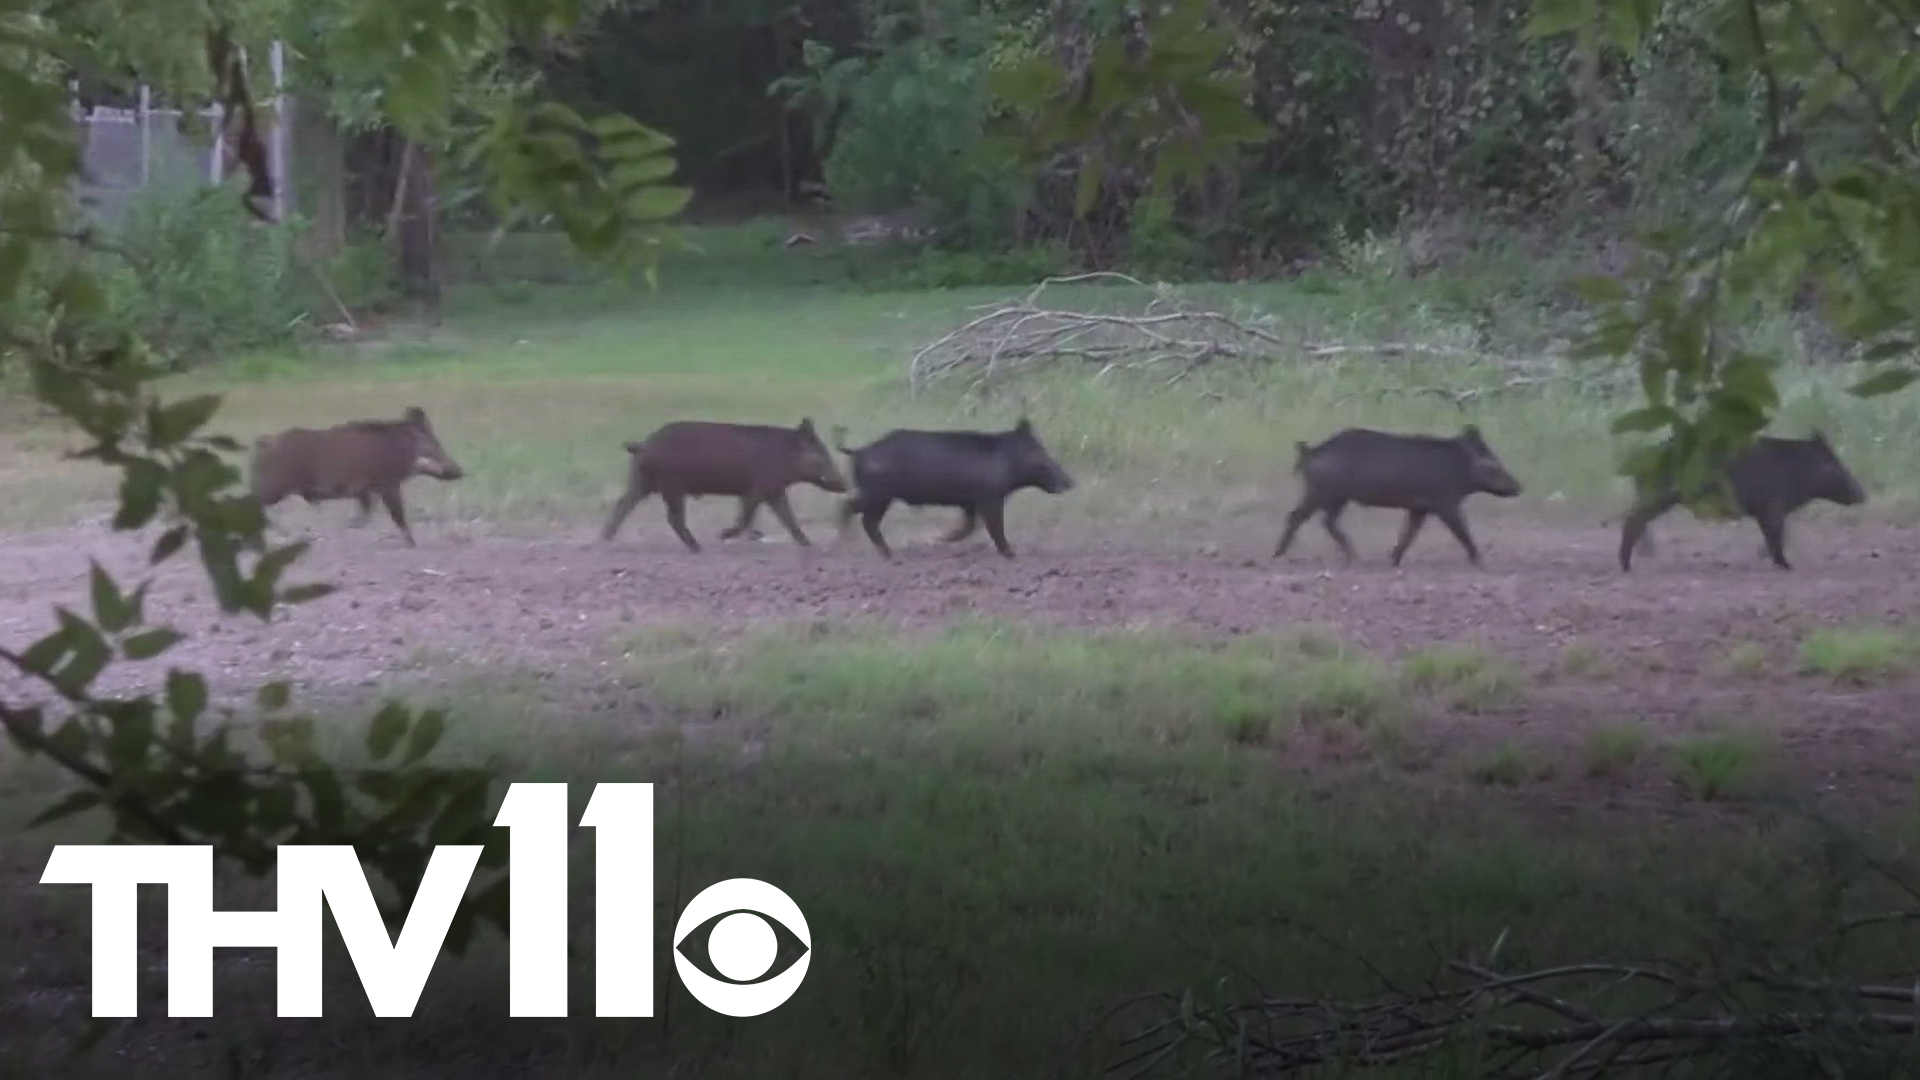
153, 762
900, 124
1838, 213
194, 280
1153, 92
163, 768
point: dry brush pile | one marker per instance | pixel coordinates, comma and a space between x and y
1167, 333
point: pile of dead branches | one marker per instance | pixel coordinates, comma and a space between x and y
1167, 334
1537, 1026
1021, 334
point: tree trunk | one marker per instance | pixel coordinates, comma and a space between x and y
413, 229
323, 154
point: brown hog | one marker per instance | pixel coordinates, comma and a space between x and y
355, 460
754, 462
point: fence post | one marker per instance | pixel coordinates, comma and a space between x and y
216, 161
145, 120
282, 134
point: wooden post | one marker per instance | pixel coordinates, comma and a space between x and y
145, 120
280, 152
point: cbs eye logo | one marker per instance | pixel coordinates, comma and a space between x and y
741, 920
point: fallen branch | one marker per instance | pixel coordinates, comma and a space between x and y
1278, 1037
1020, 335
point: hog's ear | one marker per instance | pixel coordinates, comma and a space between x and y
1821, 438
806, 425
1024, 427
1471, 433
416, 415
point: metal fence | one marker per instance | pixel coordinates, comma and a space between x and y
129, 151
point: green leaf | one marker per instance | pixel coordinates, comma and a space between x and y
186, 694
168, 545
41, 657
274, 808
290, 741
426, 735
1750, 379
141, 486
464, 815
1884, 382
111, 608
75, 803
385, 730
150, 644
89, 657
131, 739
1887, 350
328, 798
273, 696
654, 203
300, 594
633, 174
172, 425
1646, 418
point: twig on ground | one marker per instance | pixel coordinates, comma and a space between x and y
1278, 1037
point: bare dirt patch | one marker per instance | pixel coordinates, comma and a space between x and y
567, 606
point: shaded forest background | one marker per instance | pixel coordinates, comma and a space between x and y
1439, 123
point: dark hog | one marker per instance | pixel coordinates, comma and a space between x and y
1771, 480
753, 462
1425, 475
355, 460
972, 471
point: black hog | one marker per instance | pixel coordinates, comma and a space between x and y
1771, 479
1421, 474
974, 471
754, 462
355, 460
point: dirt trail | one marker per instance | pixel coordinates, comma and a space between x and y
563, 604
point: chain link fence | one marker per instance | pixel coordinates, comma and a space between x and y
129, 151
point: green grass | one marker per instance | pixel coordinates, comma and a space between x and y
1613, 748
1463, 676
1720, 764
1746, 659
1508, 766
1860, 655
996, 833
1012, 690
1581, 660
533, 388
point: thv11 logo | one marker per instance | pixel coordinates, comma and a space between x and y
741, 945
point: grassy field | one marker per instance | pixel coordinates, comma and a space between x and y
534, 387
1001, 828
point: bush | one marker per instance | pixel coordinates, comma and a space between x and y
198, 281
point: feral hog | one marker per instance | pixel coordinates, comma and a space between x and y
1421, 474
355, 460
1771, 479
755, 462
975, 471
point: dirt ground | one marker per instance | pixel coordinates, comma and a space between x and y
565, 605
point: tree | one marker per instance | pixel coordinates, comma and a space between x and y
1829, 199
165, 768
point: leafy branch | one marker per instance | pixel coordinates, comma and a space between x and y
1841, 219
166, 765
